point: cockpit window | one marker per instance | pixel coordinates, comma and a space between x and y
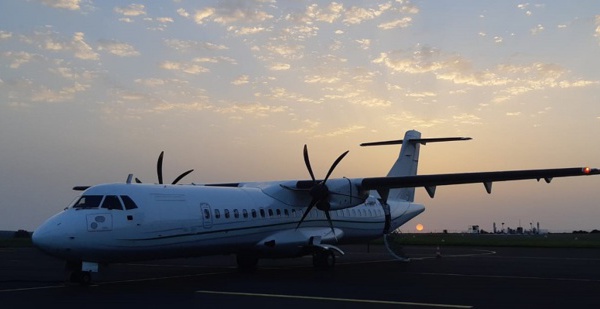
129, 203
112, 202
88, 201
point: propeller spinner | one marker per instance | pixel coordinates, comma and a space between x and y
319, 191
159, 165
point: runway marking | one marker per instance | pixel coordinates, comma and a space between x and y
352, 300
32, 288
509, 277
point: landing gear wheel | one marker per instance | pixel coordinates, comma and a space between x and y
324, 259
83, 278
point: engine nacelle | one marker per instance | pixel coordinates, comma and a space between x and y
344, 194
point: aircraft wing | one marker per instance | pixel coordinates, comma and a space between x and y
430, 182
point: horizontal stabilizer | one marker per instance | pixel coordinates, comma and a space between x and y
422, 141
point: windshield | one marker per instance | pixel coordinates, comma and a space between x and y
88, 201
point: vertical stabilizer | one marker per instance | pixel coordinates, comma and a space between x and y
406, 165
408, 161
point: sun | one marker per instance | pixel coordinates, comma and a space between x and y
419, 227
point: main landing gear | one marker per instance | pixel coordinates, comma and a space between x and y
324, 259
80, 272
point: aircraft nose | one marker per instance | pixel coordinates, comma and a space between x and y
49, 237
42, 238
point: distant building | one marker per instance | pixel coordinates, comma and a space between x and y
474, 229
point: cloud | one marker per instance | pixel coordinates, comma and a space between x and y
328, 15
246, 30
117, 48
203, 14
244, 11
399, 23
5, 35
516, 79
309, 127
280, 94
241, 80
342, 131
131, 10
256, 109
189, 68
45, 94
409, 119
537, 29
187, 45
467, 119
82, 49
72, 5
19, 58
597, 22
279, 66
364, 43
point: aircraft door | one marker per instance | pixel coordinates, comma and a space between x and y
206, 215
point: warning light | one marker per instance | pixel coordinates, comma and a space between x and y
587, 170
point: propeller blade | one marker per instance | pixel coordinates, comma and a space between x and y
335, 164
181, 176
307, 162
159, 167
330, 224
310, 207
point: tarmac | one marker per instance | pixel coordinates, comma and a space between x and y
367, 276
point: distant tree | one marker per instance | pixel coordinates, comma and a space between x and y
22, 234
594, 231
580, 232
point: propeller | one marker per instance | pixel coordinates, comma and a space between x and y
159, 165
319, 191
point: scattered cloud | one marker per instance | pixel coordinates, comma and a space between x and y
5, 35
399, 23
117, 48
72, 5
537, 29
241, 80
131, 10
189, 68
342, 131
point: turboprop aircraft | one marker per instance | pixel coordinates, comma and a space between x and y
132, 221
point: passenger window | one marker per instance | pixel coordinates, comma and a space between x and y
270, 212
226, 213
253, 213
217, 214
88, 201
112, 202
245, 213
278, 212
206, 214
236, 213
286, 212
129, 203
262, 213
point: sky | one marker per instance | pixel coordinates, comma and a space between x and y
91, 91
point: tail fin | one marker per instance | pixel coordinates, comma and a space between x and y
408, 161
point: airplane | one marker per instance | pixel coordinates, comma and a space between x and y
133, 221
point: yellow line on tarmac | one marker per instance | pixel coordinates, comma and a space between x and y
368, 301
